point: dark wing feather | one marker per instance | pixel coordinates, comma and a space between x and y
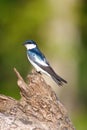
54, 76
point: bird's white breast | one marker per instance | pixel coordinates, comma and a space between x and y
39, 69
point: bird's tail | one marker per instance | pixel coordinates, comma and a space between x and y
58, 79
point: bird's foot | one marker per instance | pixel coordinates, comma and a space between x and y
38, 72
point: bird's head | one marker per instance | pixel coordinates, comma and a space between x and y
30, 44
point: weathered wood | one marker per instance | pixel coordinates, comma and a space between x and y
38, 109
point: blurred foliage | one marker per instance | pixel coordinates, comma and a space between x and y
80, 121
19, 20
83, 55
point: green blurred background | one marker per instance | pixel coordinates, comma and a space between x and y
60, 28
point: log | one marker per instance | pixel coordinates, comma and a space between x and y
38, 108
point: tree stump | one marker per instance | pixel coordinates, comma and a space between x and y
38, 109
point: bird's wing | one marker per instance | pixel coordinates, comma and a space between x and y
54, 76
36, 56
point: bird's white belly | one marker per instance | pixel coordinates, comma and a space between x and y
37, 67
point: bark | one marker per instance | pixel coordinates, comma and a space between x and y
38, 109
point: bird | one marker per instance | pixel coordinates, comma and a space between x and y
40, 63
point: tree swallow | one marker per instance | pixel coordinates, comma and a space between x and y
39, 61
